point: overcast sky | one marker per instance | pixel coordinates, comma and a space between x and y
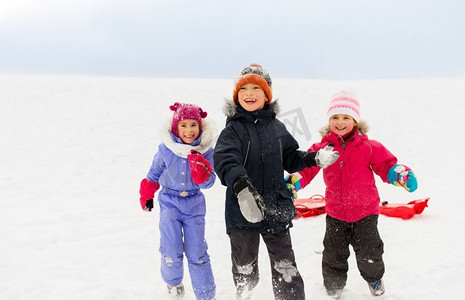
216, 38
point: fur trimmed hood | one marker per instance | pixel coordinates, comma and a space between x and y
202, 144
362, 128
230, 108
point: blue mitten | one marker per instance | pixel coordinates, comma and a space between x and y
401, 175
293, 183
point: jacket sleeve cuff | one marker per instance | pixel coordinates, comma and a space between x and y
310, 159
240, 184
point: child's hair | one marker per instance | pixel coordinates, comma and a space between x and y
184, 111
257, 75
362, 127
344, 103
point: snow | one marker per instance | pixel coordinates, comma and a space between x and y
74, 149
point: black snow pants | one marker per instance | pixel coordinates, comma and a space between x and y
364, 237
286, 279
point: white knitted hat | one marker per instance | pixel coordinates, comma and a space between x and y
344, 103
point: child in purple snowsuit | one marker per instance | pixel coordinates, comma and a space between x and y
182, 166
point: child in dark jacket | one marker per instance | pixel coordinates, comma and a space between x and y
250, 156
182, 166
352, 199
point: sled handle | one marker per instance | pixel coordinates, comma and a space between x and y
317, 197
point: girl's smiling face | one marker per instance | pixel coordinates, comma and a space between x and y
342, 124
251, 97
188, 130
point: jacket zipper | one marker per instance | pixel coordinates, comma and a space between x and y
246, 154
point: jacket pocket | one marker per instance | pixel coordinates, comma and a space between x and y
286, 194
281, 208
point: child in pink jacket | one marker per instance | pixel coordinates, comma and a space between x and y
352, 199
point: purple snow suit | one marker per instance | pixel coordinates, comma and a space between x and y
182, 218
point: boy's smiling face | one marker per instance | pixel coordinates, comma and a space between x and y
251, 97
188, 130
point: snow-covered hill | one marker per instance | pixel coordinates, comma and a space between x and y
74, 149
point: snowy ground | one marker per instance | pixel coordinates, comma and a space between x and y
74, 149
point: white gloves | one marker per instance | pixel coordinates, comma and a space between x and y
326, 156
251, 203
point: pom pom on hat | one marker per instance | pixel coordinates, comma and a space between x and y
344, 103
184, 111
257, 75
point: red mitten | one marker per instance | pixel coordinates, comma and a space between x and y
147, 192
200, 167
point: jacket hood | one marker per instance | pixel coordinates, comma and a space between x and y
202, 144
230, 108
362, 129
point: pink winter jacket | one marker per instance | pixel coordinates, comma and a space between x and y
351, 193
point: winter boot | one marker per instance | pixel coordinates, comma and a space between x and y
176, 291
335, 294
377, 287
244, 294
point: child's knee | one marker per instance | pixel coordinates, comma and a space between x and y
171, 255
286, 268
197, 255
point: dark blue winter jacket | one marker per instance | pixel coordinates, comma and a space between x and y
258, 145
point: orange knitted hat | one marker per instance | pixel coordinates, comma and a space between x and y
257, 75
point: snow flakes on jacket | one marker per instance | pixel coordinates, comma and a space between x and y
258, 145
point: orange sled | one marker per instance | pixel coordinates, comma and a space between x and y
404, 211
309, 207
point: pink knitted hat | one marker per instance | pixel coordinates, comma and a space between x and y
184, 111
344, 103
